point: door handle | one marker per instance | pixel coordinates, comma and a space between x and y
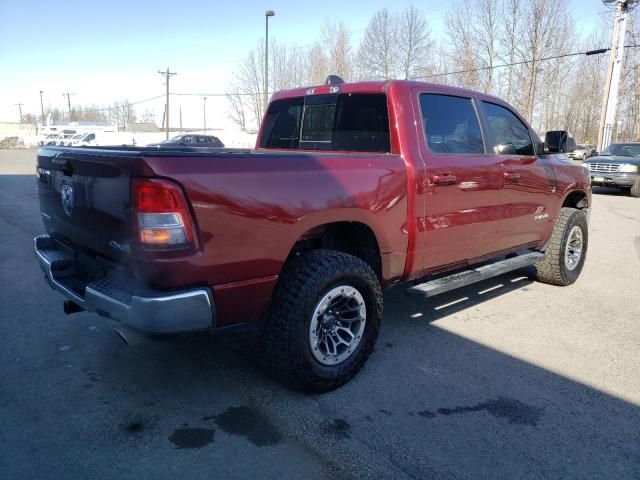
512, 177
445, 179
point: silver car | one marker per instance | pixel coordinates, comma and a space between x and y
583, 151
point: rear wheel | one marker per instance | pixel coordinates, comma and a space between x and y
635, 189
323, 321
566, 250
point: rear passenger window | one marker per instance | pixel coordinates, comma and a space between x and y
509, 136
451, 124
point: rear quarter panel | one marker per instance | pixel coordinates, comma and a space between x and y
252, 208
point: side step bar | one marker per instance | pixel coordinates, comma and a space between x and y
467, 277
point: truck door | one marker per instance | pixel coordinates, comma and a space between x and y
528, 196
462, 180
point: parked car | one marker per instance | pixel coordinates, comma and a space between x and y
52, 139
85, 140
352, 188
617, 165
107, 139
583, 151
190, 140
74, 139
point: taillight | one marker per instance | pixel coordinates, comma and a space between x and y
163, 219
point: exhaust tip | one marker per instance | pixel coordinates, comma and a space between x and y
121, 335
130, 337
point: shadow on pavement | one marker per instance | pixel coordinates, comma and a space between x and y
428, 404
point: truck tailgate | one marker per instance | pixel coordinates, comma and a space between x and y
85, 198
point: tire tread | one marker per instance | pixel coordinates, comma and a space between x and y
285, 337
551, 270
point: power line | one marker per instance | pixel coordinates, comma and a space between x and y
524, 62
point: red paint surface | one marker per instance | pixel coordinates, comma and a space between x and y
251, 208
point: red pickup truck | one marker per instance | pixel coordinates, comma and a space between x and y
352, 187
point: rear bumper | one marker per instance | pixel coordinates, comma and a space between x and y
613, 179
125, 299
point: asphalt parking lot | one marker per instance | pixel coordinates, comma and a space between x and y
505, 379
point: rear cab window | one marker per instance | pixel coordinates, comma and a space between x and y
352, 122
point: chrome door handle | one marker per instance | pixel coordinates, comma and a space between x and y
512, 177
445, 179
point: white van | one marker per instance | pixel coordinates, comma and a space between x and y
105, 139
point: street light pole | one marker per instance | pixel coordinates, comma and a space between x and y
68, 95
267, 14
19, 105
204, 113
42, 107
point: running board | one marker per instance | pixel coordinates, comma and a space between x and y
467, 277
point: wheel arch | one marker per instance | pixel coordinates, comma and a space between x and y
576, 199
353, 237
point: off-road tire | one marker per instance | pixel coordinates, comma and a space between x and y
553, 269
285, 339
635, 188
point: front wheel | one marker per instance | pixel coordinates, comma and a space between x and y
566, 250
323, 321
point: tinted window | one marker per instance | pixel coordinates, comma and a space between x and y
509, 136
450, 124
317, 123
349, 122
623, 149
281, 128
362, 123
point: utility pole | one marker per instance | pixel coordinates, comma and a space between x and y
42, 107
19, 105
180, 118
204, 112
68, 95
610, 99
167, 75
267, 14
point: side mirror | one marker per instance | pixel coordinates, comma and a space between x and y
559, 141
541, 149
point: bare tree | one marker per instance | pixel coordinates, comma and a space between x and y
486, 29
508, 42
413, 42
122, 114
464, 54
238, 107
378, 50
148, 116
544, 34
336, 39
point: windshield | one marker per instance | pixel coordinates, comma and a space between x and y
622, 150
176, 139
